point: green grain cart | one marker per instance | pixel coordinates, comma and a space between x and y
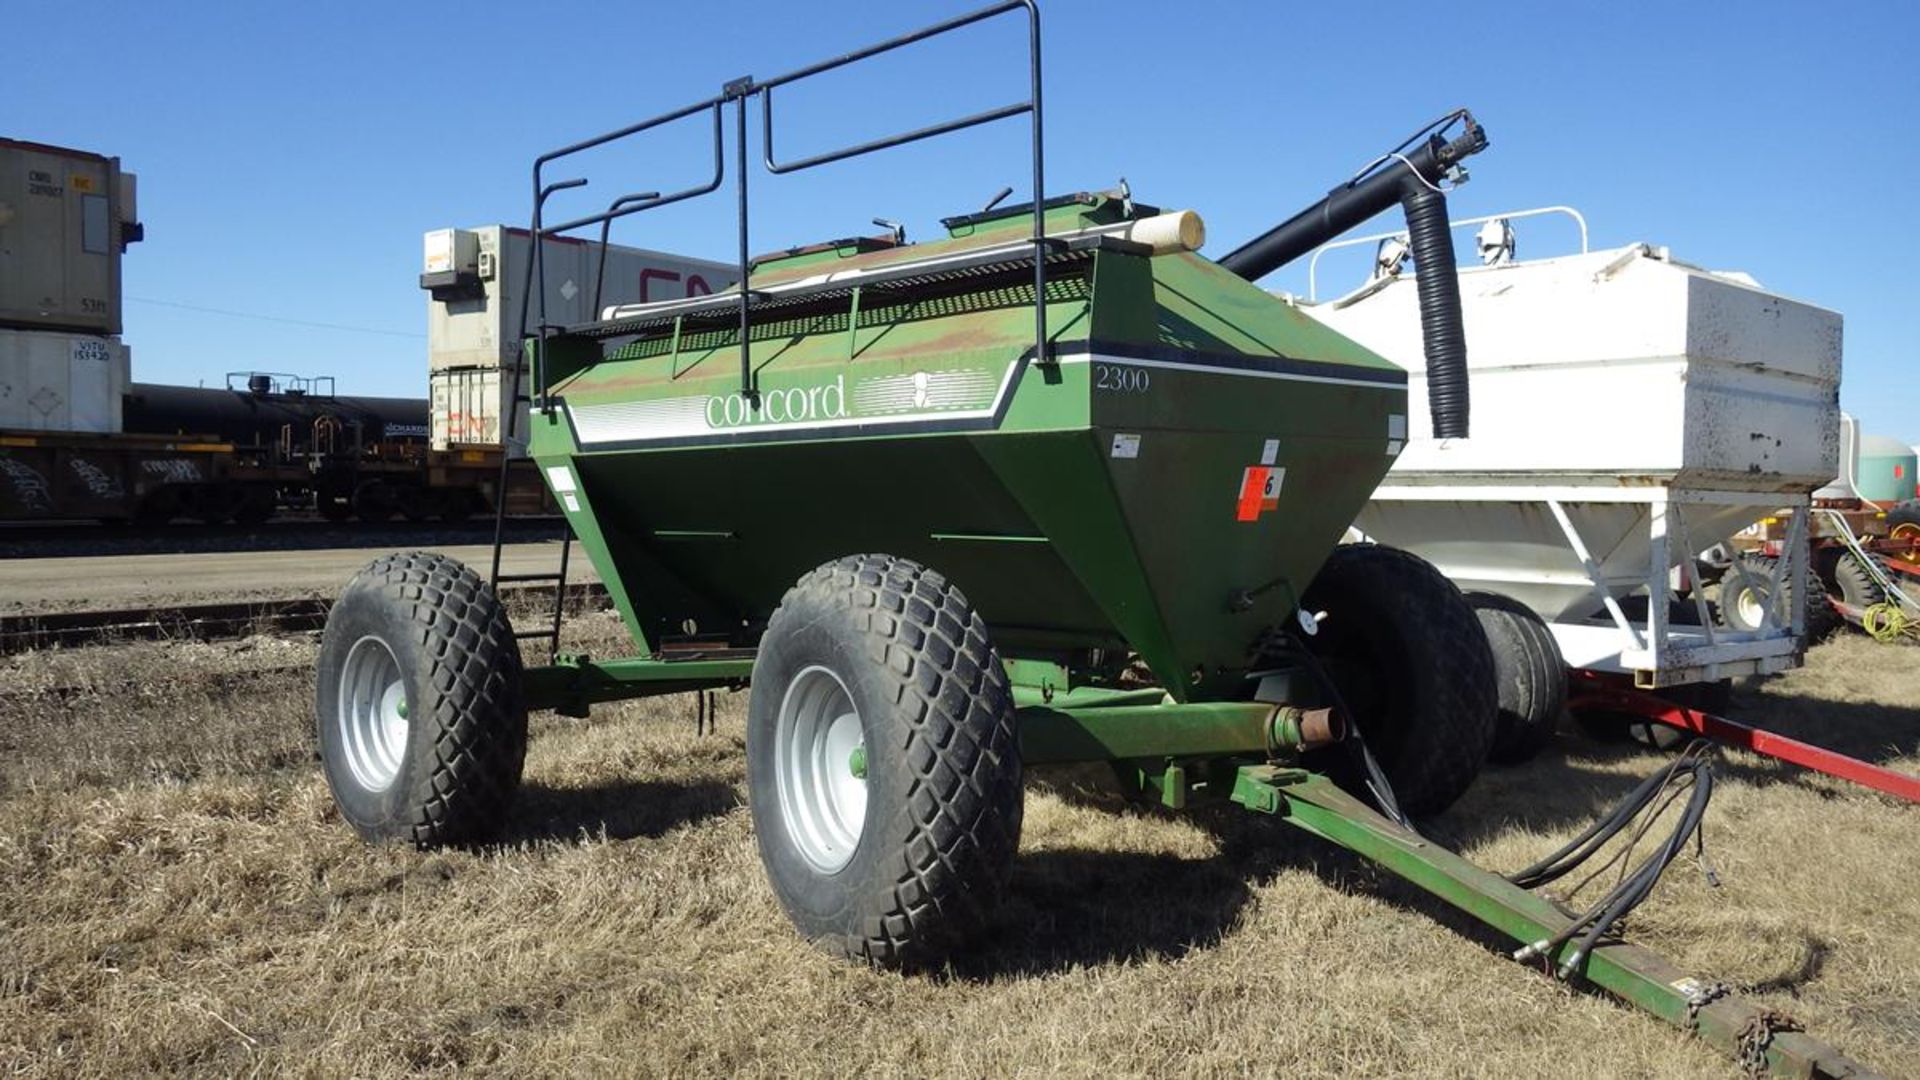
1053, 488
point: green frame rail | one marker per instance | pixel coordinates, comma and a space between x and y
1183, 752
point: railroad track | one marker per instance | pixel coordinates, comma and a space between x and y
28, 540
211, 622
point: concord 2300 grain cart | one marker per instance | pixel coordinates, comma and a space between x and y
1053, 488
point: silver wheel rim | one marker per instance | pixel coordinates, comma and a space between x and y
816, 741
372, 714
1752, 604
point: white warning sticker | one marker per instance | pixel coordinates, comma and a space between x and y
560, 478
572, 501
1126, 446
1269, 451
1397, 427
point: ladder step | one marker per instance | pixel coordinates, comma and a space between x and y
528, 577
549, 633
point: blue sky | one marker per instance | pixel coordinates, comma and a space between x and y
291, 155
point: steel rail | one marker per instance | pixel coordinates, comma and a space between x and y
201, 622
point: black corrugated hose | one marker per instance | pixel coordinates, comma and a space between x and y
1690, 774
1430, 236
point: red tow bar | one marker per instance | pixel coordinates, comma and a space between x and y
1592, 692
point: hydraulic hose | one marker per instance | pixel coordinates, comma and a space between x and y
1690, 775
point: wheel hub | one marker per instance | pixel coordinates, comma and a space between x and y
820, 763
372, 714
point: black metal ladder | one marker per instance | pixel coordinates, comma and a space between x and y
551, 631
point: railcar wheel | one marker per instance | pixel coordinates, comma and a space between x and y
374, 502
417, 503
255, 505
456, 505
1409, 657
1531, 675
882, 761
333, 504
418, 706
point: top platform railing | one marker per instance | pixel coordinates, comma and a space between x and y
738, 92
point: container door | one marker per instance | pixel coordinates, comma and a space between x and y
93, 392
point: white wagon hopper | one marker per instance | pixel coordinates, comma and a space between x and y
1630, 411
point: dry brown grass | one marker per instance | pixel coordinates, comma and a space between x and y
177, 895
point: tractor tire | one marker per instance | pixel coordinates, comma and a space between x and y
1532, 676
1744, 593
418, 704
1903, 520
883, 765
1409, 657
1856, 584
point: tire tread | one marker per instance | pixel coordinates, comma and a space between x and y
960, 825
475, 678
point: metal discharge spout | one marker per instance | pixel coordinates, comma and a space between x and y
1411, 179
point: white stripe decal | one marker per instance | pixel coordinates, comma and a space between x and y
1251, 373
688, 417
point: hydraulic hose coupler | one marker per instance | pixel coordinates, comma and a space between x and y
1307, 729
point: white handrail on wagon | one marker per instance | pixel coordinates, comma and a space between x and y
1313, 264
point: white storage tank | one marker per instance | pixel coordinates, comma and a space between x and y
66, 216
62, 382
474, 279
1628, 411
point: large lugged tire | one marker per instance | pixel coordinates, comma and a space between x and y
1903, 521
1531, 675
1747, 590
882, 762
1411, 661
419, 707
1857, 586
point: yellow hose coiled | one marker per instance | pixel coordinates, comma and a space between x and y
1886, 622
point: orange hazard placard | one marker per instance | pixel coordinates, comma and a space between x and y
1259, 491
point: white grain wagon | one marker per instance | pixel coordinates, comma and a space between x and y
1629, 411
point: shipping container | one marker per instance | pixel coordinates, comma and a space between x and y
62, 382
466, 404
475, 280
66, 216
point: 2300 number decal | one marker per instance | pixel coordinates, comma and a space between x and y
1125, 380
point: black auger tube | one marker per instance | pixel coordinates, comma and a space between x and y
1411, 180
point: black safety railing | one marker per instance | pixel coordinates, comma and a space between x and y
738, 92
